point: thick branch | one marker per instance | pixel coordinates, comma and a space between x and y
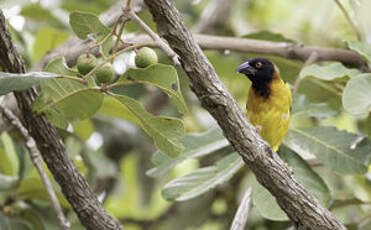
302, 208
37, 162
75, 188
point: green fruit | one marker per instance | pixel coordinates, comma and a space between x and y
85, 63
105, 74
145, 57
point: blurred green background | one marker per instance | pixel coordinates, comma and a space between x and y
114, 154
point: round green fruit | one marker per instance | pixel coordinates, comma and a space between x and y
105, 74
145, 57
85, 63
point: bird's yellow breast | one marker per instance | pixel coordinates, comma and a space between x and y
271, 115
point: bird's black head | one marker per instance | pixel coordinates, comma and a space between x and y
261, 72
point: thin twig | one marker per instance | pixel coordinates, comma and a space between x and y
240, 219
100, 44
349, 19
80, 80
118, 37
128, 4
312, 58
37, 161
164, 46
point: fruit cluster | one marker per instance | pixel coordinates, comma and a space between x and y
105, 74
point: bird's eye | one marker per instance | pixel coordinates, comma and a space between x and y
258, 65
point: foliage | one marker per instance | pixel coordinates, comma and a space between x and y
111, 130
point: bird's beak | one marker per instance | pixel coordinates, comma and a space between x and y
246, 69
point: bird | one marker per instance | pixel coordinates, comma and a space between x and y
269, 100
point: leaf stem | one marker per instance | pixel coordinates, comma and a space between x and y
118, 37
128, 4
53, 103
98, 44
83, 81
109, 87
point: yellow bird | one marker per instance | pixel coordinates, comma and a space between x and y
269, 100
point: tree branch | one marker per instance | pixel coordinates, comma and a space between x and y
240, 219
74, 187
74, 46
282, 49
165, 47
301, 207
37, 162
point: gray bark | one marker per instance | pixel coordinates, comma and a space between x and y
74, 187
301, 207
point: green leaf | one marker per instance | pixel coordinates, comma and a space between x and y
70, 98
7, 182
42, 15
328, 72
195, 145
202, 179
269, 36
363, 48
9, 162
361, 187
265, 203
34, 218
84, 24
83, 129
47, 39
106, 47
162, 76
56, 118
114, 108
59, 66
21, 81
12, 223
165, 131
304, 174
357, 95
32, 187
345, 202
332, 147
302, 107
318, 91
